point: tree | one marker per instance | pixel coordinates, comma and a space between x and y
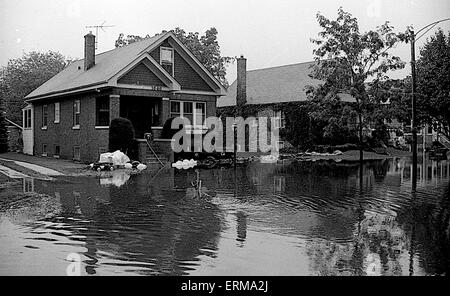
121, 134
3, 130
346, 59
205, 48
433, 81
21, 76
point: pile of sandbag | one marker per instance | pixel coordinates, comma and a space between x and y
184, 164
117, 159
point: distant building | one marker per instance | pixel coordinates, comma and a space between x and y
269, 87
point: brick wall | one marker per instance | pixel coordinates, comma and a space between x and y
87, 137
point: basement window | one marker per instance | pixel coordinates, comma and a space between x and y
44, 149
76, 153
57, 151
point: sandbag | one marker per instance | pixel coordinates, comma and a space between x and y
106, 157
119, 158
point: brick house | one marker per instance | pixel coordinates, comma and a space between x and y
147, 82
272, 89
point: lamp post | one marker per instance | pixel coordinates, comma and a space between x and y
413, 39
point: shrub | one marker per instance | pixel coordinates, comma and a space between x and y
121, 135
167, 131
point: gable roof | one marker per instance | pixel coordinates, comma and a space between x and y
107, 65
275, 85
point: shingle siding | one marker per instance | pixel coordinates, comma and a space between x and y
141, 75
184, 74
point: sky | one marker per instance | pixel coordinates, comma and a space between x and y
268, 33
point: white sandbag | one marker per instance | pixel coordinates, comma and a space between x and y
128, 166
141, 167
269, 158
106, 157
119, 158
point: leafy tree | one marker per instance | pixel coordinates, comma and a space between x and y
205, 48
121, 134
433, 81
3, 130
21, 76
347, 59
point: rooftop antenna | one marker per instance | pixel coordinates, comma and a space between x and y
102, 26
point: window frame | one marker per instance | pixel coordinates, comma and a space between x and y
194, 112
76, 111
165, 62
27, 122
44, 151
98, 110
57, 151
57, 114
44, 123
280, 121
79, 153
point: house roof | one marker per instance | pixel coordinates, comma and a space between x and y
275, 85
107, 65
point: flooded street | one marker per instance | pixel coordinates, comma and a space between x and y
290, 218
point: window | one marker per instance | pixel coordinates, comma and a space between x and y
44, 149
194, 111
188, 111
57, 151
76, 113
44, 116
279, 119
430, 129
27, 118
200, 114
57, 112
76, 153
166, 59
102, 111
175, 108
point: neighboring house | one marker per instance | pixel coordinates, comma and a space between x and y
271, 86
147, 82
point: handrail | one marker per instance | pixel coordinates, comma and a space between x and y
154, 153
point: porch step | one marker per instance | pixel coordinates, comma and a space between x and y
154, 160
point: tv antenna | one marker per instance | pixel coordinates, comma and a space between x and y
102, 26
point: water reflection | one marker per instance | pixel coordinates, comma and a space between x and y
321, 218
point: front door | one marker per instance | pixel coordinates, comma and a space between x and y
141, 112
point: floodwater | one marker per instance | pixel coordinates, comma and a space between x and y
288, 218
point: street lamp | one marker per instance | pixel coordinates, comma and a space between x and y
413, 39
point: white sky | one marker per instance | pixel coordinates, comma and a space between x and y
268, 32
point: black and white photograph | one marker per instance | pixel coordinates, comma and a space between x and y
205, 139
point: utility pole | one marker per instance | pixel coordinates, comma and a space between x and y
413, 106
413, 40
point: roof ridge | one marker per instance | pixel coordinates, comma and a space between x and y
273, 67
124, 46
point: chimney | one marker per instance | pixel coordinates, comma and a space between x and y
89, 51
241, 93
